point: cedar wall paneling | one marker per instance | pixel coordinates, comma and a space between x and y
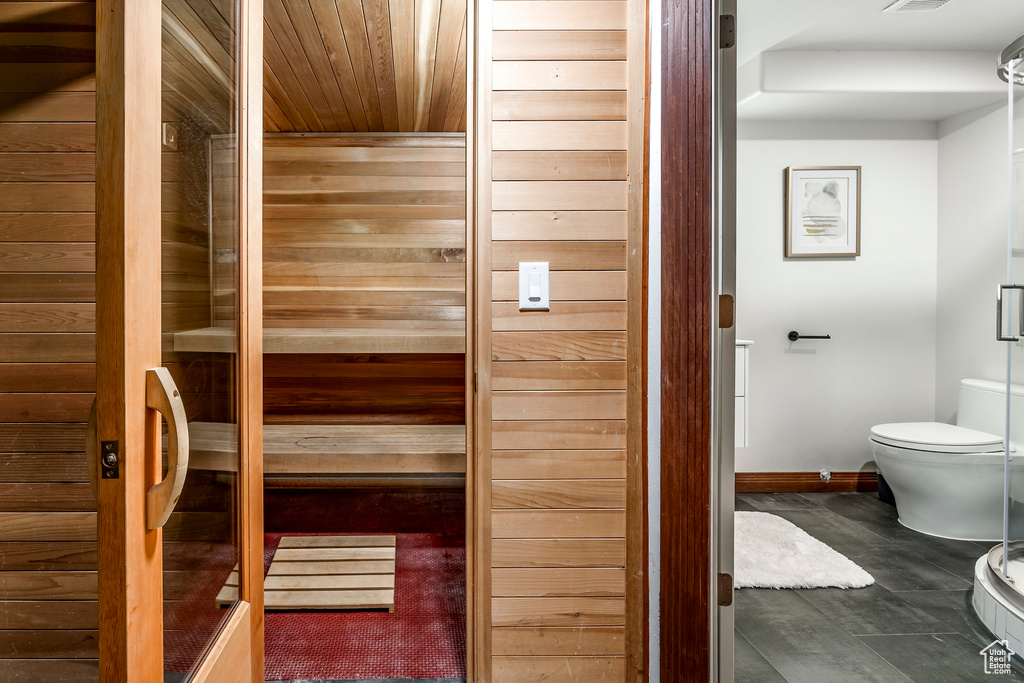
365, 65
48, 617
365, 231
48, 612
562, 127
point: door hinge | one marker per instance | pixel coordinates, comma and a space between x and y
726, 308
727, 31
724, 590
474, 383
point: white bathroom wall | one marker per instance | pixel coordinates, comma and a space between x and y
973, 196
812, 403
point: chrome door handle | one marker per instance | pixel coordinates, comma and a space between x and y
999, 313
162, 396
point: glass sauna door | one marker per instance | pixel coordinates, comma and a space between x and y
177, 441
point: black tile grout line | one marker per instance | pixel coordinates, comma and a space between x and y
878, 654
978, 628
967, 583
822, 508
838, 625
751, 643
858, 636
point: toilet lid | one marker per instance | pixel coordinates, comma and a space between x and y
937, 437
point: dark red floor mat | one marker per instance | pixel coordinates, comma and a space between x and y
426, 635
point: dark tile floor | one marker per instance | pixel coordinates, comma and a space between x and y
916, 623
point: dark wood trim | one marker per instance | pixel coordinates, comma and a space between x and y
804, 482
687, 211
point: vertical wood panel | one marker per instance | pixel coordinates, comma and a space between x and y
567, 138
128, 195
687, 212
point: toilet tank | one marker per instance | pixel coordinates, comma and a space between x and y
982, 406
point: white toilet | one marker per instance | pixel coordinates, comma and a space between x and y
948, 479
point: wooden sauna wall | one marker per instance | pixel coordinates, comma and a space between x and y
561, 180
47, 343
365, 231
48, 612
365, 65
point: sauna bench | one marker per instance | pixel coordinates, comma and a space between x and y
330, 340
336, 449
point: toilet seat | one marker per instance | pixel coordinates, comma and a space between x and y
936, 437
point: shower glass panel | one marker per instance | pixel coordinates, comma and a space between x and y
200, 285
1014, 316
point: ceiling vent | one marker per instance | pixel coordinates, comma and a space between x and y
915, 5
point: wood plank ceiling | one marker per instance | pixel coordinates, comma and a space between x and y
364, 65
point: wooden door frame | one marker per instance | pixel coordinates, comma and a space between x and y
128, 55
689, 333
473, 563
250, 327
128, 262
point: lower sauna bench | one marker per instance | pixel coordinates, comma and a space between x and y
336, 449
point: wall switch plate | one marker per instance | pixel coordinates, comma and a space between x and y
169, 137
534, 286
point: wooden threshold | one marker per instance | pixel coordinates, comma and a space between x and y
326, 573
336, 449
804, 482
332, 340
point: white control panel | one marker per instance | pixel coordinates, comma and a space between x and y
534, 286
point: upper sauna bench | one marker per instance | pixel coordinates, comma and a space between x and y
330, 340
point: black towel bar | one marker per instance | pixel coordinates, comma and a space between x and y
794, 335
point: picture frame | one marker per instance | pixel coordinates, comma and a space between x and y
822, 211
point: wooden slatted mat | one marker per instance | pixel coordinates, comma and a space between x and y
327, 573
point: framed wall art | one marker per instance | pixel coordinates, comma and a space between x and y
822, 211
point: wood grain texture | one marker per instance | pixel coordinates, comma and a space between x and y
337, 449
247, 644
565, 100
559, 552
559, 669
48, 557
552, 105
397, 265
371, 65
567, 494
548, 15
573, 641
128, 194
804, 482
559, 375
688, 208
558, 464
554, 612
559, 75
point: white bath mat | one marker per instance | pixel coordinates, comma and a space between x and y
774, 553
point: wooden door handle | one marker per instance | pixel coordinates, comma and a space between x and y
92, 463
162, 396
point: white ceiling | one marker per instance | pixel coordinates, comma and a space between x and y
830, 69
